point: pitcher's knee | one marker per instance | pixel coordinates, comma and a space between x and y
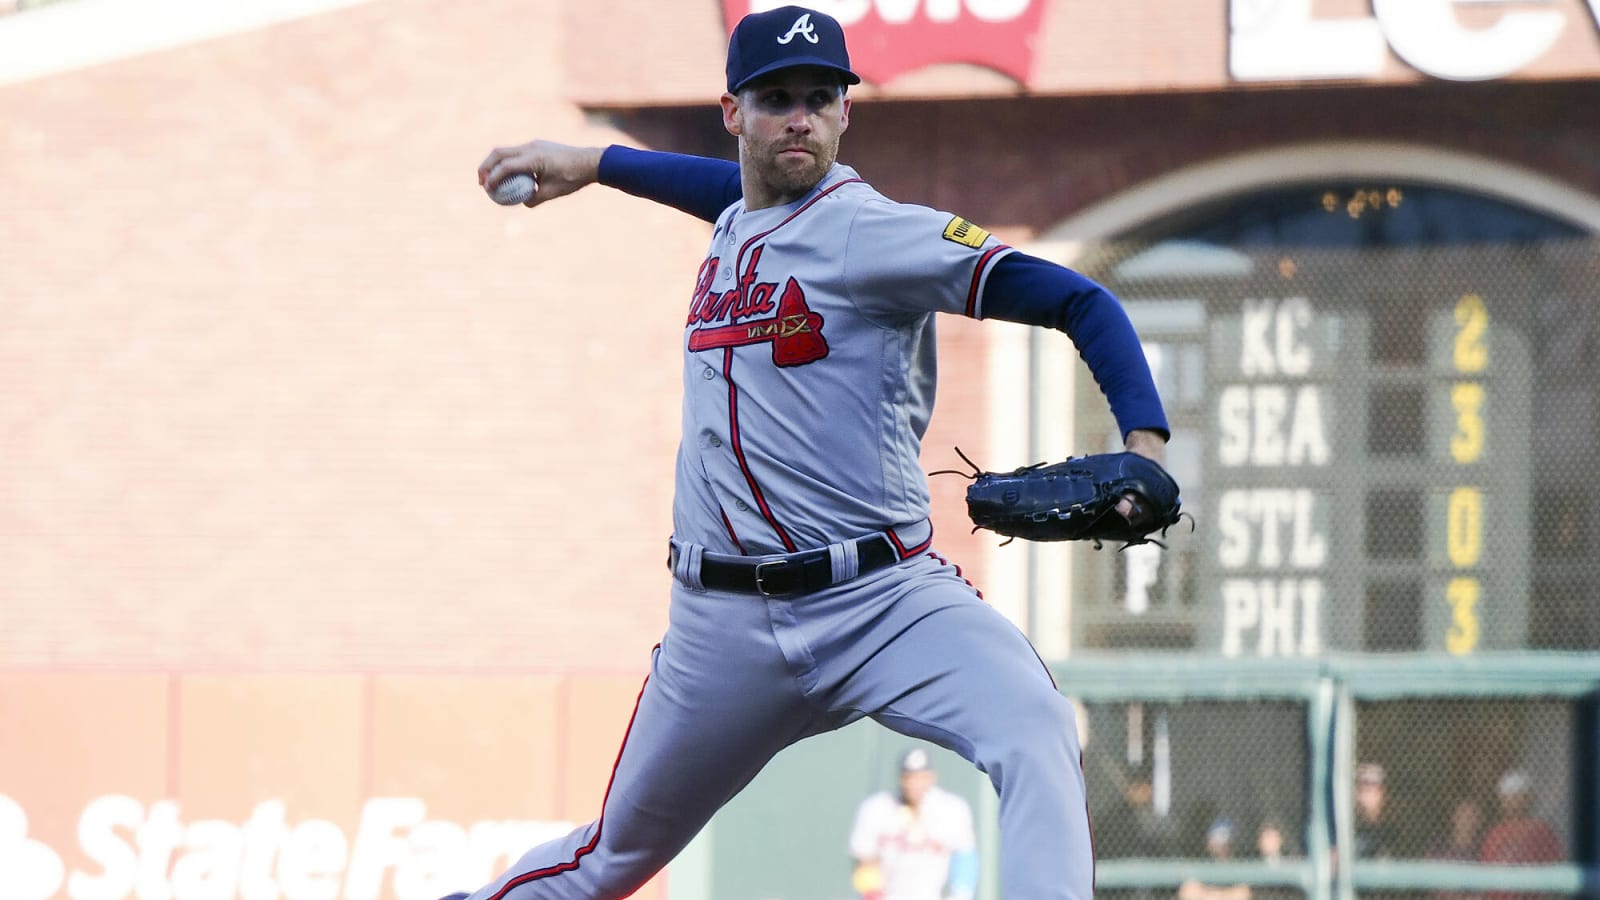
1050, 713
1040, 731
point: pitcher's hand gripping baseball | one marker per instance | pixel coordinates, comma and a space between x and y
556, 169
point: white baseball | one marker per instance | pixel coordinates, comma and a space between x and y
513, 190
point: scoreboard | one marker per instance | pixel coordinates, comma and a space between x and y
1354, 433
1269, 459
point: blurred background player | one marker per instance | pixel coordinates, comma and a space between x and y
916, 843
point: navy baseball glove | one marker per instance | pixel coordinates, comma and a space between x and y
1076, 500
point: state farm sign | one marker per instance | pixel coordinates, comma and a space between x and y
151, 853
889, 37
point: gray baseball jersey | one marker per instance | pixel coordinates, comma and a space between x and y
808, 385
810, 368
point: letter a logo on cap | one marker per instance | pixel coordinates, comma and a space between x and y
803, 27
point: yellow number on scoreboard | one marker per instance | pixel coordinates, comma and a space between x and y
1463, 634
1464, 524
1471, 352
1466, 445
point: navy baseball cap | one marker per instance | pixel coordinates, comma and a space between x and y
783, 38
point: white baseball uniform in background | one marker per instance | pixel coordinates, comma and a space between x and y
913, 848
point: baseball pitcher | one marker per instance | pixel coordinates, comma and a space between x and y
807, 588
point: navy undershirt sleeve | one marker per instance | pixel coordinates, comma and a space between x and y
698, 185
1033, 291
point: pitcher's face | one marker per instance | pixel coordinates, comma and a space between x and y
789, 126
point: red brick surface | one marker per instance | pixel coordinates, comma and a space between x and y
1023, 166
281, 388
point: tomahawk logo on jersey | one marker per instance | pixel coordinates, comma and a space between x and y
793, 329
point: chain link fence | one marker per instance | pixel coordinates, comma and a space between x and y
1162, 783
1388, 451
1214, 779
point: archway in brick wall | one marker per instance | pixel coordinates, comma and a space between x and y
1345, 160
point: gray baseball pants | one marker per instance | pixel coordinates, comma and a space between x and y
739, 677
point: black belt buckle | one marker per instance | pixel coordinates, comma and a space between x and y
780, 564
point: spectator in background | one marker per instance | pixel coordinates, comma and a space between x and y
917, 843
1219, 840
1133, 828
1374, 832
1518, 837
1219, 848
1269, 842
1271, 845
1460, 843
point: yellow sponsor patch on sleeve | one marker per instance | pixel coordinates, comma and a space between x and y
963, 232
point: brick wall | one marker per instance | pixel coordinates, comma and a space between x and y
1021, 166
1121, 142
323, 480
281, 388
